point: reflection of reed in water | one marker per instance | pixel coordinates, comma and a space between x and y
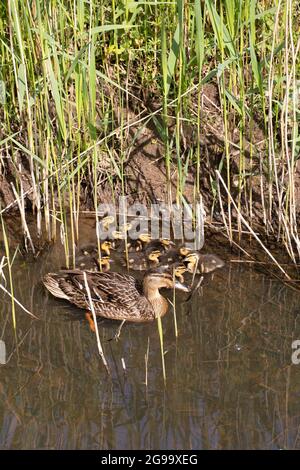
228, 378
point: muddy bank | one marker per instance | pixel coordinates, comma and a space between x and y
145, 178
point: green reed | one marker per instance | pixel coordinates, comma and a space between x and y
71, 71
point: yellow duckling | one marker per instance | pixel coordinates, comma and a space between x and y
161, 244
142, 261
91, 250
174, 255
103, 263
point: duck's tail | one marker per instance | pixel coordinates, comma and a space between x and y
51, 282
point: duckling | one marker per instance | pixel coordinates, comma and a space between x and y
140, 261
88, 257
202, 263
105, 247
161, 244
103, 263
177, 269
140, 243
120, 237
145, 243
132, 245
174, 254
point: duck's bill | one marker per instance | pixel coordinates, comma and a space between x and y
178, 285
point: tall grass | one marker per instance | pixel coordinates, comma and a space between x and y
70, 70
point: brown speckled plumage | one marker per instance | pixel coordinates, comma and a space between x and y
115, 296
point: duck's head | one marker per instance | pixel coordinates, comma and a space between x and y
154, 256
158, 278
106, 246
166, 242
179, 270
145, 237
103, 263
184, 251
191, 261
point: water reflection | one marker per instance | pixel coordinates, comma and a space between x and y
230, 382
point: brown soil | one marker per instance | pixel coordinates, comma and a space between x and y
145, 169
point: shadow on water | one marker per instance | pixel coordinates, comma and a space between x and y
230, 381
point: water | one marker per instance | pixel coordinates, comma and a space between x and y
230, 381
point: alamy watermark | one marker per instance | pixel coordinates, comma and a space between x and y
2, 352
296, 353
161, 220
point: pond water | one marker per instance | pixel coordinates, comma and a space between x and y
230, 381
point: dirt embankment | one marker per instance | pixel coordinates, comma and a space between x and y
145, 168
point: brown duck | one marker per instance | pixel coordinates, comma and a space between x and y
114, 296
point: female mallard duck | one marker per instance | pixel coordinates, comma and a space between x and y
202, 263
114, 296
